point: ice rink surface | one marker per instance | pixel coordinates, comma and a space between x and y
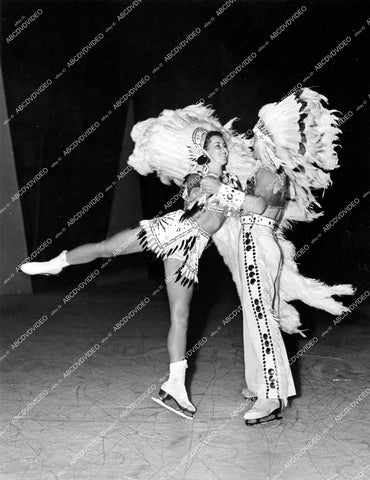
75, 394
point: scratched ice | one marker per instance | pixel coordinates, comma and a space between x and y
76, 431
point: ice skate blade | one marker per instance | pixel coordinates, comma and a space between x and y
46, 274
163, 395
275, 415
178, 412
51, 274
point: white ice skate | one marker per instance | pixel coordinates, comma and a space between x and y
52, 267
173, 392
263, 411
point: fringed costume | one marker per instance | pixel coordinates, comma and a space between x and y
171, 146
294, 140
171, 237
290, 156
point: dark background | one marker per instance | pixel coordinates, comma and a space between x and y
136, 46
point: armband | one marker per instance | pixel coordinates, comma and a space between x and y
231, 197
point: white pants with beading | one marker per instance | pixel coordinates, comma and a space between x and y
267, 367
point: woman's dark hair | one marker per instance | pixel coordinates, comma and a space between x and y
212, 133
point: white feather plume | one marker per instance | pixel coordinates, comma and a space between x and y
300, 135
164, 144
293, 285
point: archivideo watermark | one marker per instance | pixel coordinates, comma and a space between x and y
81, 286
131, 314
131, 92
98, 38
24, 25
89, 353
288, 22
182, 44
341, 214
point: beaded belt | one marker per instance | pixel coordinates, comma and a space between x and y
258, 220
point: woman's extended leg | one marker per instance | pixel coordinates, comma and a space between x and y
123, 243
179, 298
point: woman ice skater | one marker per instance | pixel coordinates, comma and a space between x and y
186, 146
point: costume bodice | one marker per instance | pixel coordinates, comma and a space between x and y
193, 194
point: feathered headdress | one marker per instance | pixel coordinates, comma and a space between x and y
171, 144
241, 160
299, 134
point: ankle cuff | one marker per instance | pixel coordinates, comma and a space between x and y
63, 257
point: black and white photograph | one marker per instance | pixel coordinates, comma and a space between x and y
185, 240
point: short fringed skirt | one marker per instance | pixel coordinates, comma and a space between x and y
171, 236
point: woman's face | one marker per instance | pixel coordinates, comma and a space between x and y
217, 150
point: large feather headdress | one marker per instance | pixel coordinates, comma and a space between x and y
171, 143
299, 134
